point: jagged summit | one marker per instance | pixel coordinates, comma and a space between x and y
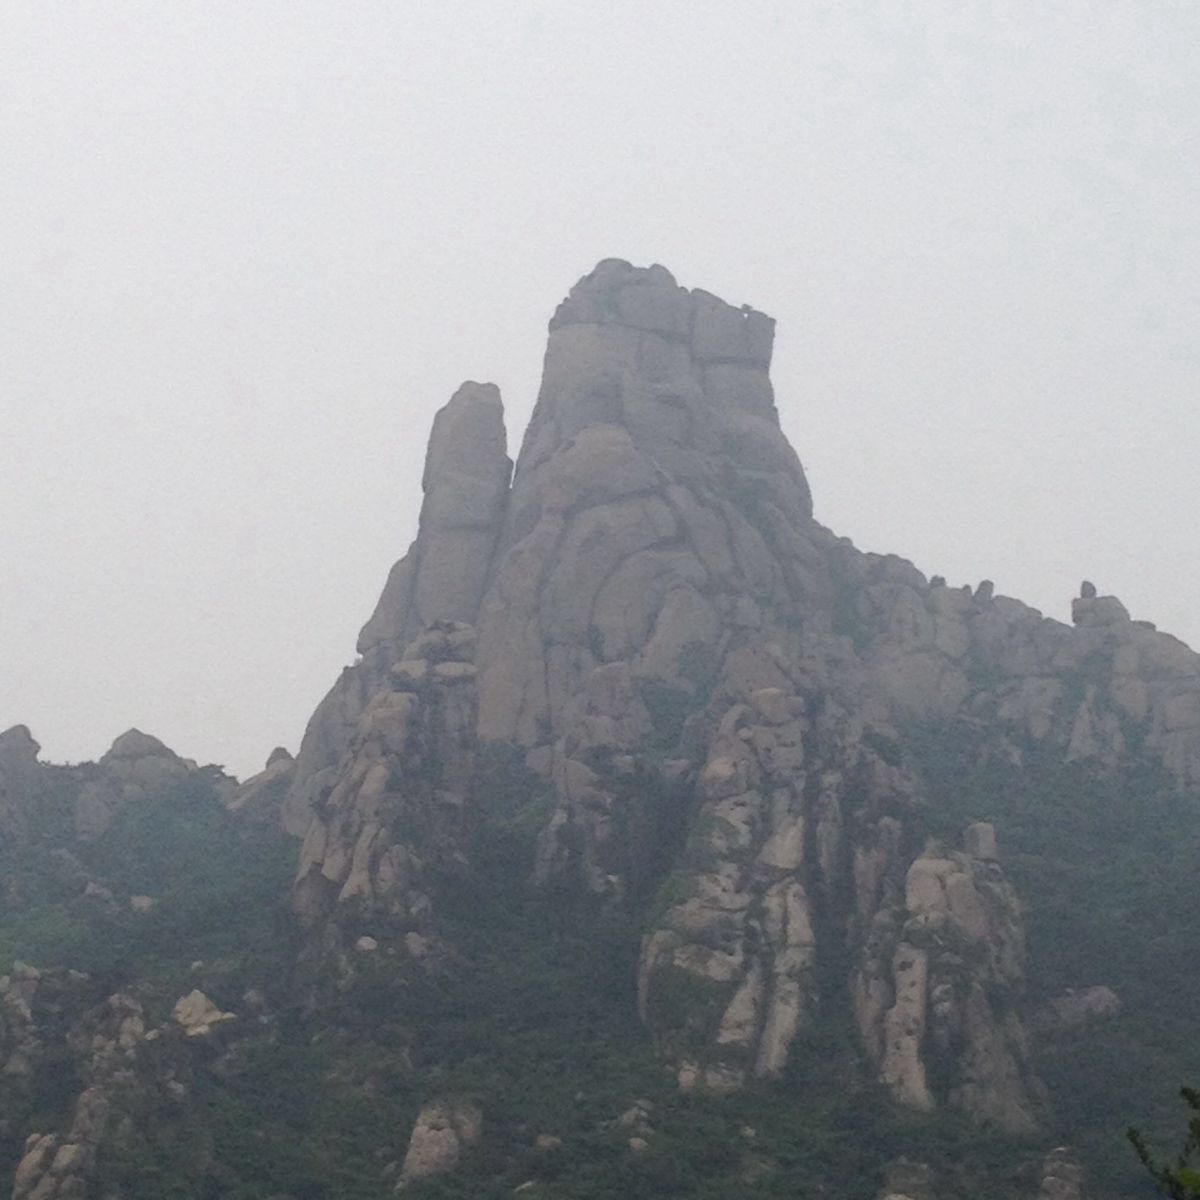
133, 766
645, 383
649, 299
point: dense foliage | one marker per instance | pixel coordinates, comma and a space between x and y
1180, 1181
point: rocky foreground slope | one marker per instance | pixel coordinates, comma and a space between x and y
715, 717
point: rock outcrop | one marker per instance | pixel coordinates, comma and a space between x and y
135, 765
651, 485
197, 1015
940, 987
59, 1166
1062, 1175
444, 1130
51, 1027
261, 797
466, 478
87, 797
442, 578
400, 801
718, 694
19, 780
1090, 692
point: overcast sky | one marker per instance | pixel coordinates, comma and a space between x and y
248, 248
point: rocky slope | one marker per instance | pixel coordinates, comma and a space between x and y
706, 715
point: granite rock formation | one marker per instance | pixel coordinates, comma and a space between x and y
135, 766
408, 766
441, 579
715, 688
444, 1130
261, 797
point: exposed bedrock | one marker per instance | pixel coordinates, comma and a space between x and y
441, 578
718, 693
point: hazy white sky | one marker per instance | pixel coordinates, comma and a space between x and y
250, 246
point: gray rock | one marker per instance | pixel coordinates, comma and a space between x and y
445, 1129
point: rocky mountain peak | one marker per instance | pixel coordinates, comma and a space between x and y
682, 373
18, 750
721, 701
649, 299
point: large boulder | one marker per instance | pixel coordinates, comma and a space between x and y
197, 1015
444, 1130
261, 798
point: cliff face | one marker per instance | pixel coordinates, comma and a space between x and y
718, 692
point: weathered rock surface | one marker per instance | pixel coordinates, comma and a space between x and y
1089, 691
941, 985
262, 796
445, 1129
742, 934
197, 1015
90, 795
466, 486
652, 481
400, 800
135, 765
441, 579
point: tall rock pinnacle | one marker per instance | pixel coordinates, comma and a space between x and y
651, 482
442, 577
466, 491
